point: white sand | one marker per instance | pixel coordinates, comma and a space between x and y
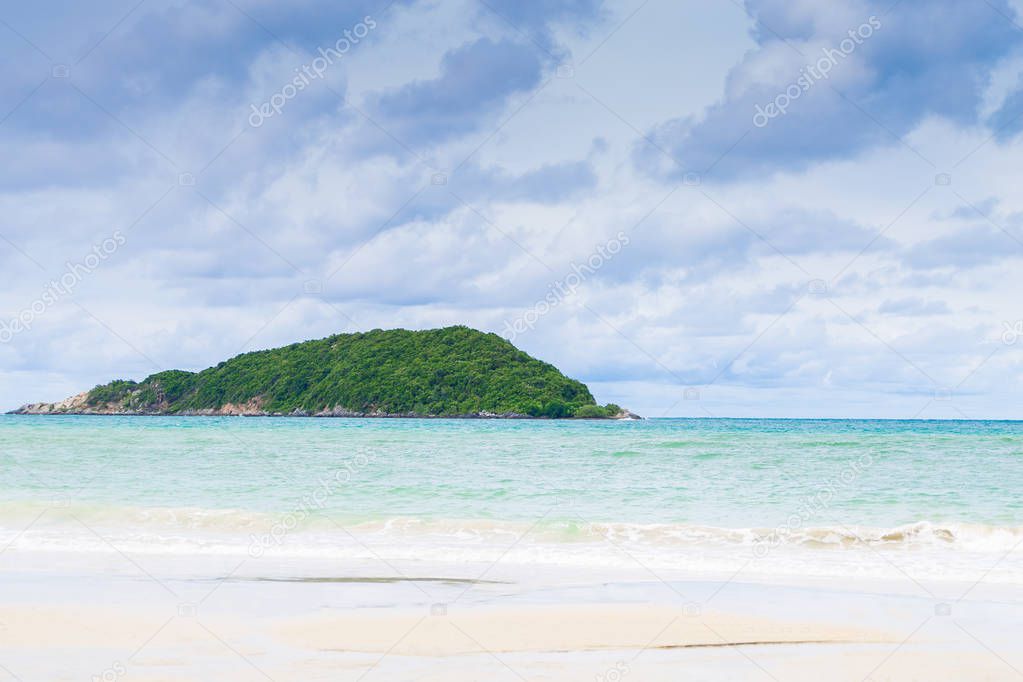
552, 629
76, 623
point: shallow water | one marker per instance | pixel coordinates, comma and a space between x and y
796, 496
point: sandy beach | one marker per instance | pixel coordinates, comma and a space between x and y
165, 618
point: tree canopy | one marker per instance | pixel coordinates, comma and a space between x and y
452, 371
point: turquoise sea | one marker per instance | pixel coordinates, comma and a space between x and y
685, 493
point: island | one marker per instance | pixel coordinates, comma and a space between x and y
450, 372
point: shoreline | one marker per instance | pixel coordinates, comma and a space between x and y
78, 405
303, 533
21, 412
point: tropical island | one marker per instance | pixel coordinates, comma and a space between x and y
450, 372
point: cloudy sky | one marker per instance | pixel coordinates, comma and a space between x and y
759, 208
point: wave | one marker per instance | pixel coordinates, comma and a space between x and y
227, 523
944, 551
922, 534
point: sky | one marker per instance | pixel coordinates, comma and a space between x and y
769, 208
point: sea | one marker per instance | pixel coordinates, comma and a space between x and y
929, 500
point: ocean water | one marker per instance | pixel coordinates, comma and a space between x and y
940, 500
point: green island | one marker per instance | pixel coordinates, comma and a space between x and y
450, 372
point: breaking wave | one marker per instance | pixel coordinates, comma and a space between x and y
235, 522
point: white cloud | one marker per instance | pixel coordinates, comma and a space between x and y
713, 292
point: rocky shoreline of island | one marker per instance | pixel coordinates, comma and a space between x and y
79, 405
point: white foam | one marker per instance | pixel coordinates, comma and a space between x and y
925, 549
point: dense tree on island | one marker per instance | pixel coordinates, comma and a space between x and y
455, 371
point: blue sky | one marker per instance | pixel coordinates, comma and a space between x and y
854, 252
